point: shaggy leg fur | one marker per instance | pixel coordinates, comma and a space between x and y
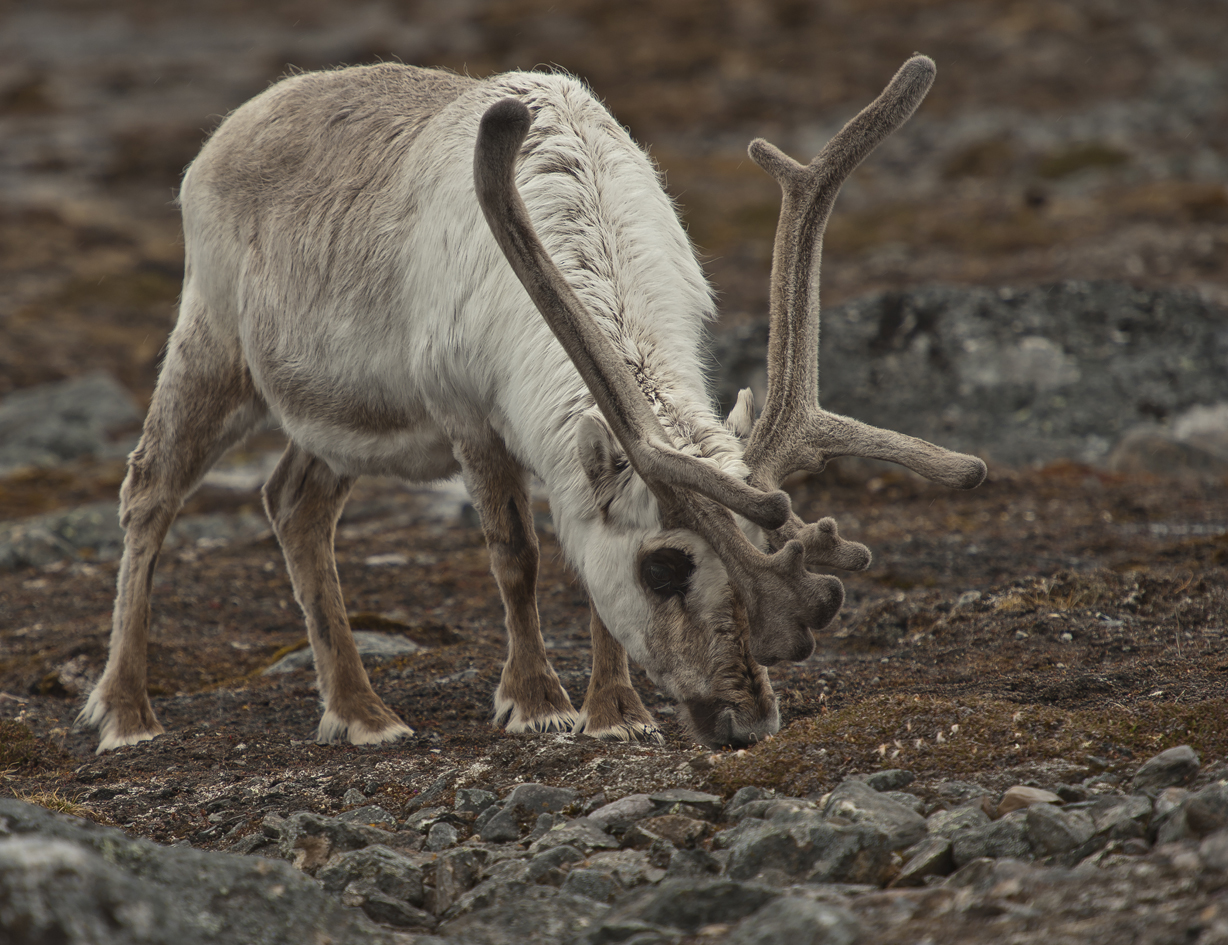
612, 709
530, 697
204, 402
304, 499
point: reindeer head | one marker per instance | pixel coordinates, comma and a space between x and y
723, 581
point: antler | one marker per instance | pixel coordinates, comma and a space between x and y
794, 433
783, 601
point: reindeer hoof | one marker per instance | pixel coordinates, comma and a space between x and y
624, 731
119, 724
542, 706
374, 726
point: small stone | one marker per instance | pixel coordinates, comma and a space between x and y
541, 798
580, 833
893, 779
1214, 851
688, 905
353, 796
797, 921
911, 801
1172, 768
594, 884
1021, 796
949, 823
811, 851
473, 800
547, 867
1054, 831
930, 857
441, 836
707, 805
1007, 837
857, 802
691, 864
371, 815
543, 825
1121, 818
501, 828
384, 869
1206, 811
682, 832
384, 908
735, 809
629, 867
617, 815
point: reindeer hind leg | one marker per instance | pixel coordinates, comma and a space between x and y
304, 499
204, 403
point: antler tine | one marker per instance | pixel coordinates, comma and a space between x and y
793, 433
501, 133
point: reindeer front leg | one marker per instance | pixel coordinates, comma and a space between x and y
612, 708
530, 697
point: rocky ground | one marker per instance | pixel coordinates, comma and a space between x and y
1052, 630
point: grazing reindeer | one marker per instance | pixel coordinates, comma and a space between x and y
340, 277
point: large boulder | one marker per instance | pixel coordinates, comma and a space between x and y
1019, 376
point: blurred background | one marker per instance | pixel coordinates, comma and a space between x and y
1079, 139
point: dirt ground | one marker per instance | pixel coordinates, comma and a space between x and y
1072, 621
1052, 625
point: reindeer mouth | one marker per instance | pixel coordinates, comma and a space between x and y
718, 724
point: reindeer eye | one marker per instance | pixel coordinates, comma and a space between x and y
667, 572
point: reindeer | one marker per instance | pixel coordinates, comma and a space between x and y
418, 273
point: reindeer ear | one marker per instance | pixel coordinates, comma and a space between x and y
602, 456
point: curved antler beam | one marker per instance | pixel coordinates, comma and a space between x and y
502, 131
794, 433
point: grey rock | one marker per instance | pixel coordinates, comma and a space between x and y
617, 815
676, 800
1053, 830
1055, 371
441, 836
371, 645
353, 796
811, 851
857, 802
1214, 851
582, 833
550, 863
797, 921
931, 857
893, 779
370, 815
785, 809
1006, 837
502, 827
51, 423
1206, 811
734, 810
456, 872
984, 873
595, 884
309, 839
688, 905
385, 908
541, 798
1172, 768
692, 863
959, 792
545, 823
1120, 818
630, 867
388, 871
911, 801
429, 794
73, 882
473, 800
425, 818
515, 914
950, 823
